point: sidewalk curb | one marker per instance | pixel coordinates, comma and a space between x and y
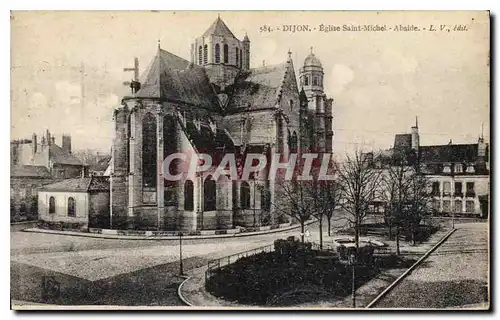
410, 269
123, 237
179, 291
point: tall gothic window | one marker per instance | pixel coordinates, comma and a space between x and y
205, 54
245, 195
200, 55
209, 193
188, 196
237, 56
52, 205
241, 58
149, 170
315, 81
169, 134
71, 207
226, 53
217, 53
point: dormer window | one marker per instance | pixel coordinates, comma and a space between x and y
470, 168
458, 168
446, 168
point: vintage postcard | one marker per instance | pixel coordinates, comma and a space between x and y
250, 160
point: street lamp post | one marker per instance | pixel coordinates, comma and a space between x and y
181, 271
352, 262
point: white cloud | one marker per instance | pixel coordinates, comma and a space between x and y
341, 76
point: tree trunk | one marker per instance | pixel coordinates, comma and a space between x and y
356, 234
302, 227
397, 241
320, 234
329, 227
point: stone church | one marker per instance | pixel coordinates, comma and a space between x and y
216, 104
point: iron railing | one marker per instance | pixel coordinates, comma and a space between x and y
216, 264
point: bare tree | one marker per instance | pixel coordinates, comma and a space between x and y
331, 196
358, 181
295, 199
394, 190
420, 202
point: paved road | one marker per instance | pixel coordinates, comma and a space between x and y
128, 272
454, 275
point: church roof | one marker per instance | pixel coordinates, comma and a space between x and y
218, 28
175, 79
259, 88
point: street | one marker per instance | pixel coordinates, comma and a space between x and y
455, 275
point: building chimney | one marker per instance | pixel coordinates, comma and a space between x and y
48, 137
34, 144
415, 137
66, 143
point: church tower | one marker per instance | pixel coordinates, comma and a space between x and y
311, 80
221, 53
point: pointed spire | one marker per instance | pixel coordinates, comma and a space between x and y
159, 44
245, 39
289, 54
416, 121
311, 50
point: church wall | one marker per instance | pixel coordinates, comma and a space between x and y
119, 176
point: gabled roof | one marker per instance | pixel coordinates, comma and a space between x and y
218, 28
259, 88
172, 78
449, 153
80, 185
102, 164
402, 141
60, 156
27, 171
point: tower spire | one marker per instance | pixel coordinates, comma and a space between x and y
416, 121
289, 54
311, 49
159, 44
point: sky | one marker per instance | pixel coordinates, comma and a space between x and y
380, 81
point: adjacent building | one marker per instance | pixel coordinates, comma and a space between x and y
77, 203
36, 162
459, 174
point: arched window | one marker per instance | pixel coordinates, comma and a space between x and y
188, 196
205, 54
209, 194
291, 104
241, 58
237, 56
200, 55
226, 53
52, 205
217, 53
245, 195
315, 81
71, 207
306, 80
149, 160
